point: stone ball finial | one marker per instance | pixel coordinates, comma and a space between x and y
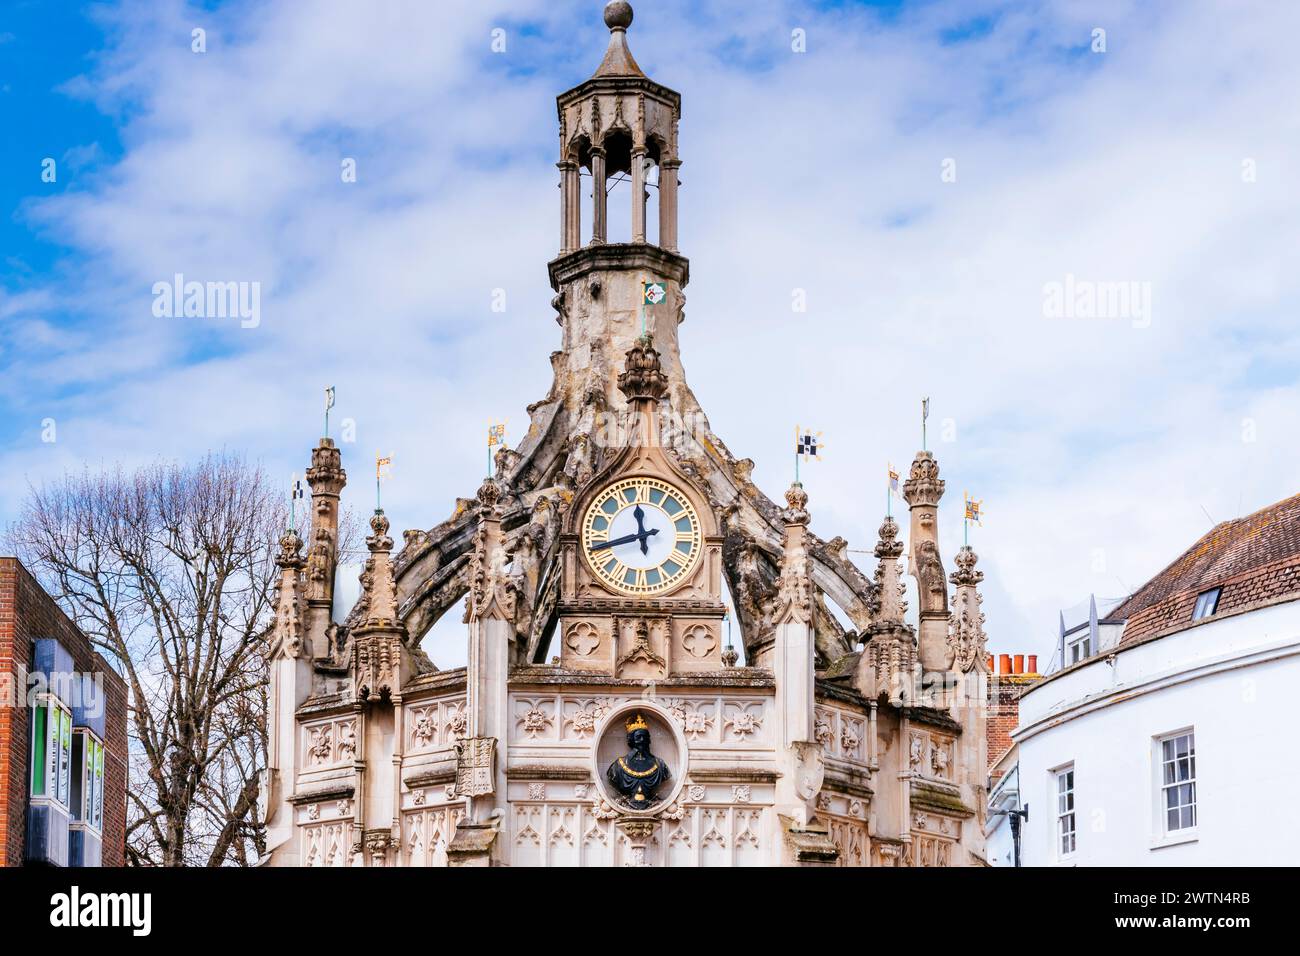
618, 15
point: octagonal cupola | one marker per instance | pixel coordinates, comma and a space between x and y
619, 126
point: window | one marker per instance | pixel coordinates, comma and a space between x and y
1206, 604
1065, 829
1178, 781
87, 779
1077, 650
51, 750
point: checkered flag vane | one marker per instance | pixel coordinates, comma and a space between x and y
807, 444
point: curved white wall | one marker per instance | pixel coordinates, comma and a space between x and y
1236, 681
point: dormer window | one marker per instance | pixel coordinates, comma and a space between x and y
1206, 604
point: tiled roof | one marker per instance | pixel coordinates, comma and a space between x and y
1255, 560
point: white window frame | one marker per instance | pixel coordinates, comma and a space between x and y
1207, 599
1162, 834
1060, 813
56, 746
90, 812
1084, 644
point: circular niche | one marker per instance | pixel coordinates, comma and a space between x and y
667, 744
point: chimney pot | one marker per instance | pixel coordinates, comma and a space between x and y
1004, 663
1033, 663
1020, 664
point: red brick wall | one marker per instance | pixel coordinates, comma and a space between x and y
26, 613
1004, 710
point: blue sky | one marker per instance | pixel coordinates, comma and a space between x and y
1098, 444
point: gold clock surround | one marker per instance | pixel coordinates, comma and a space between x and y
667, 574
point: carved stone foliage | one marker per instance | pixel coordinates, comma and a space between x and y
923, 486
329, 743
966, 634
698, 717
581, 715
936, 824
742, 720
435, 725
841, 733
535, 718
739, 721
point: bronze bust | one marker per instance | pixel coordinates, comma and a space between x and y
639, 774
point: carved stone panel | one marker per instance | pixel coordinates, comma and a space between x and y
642, 646
697, 645
587, 644
476, 759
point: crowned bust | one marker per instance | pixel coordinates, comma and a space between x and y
639, 774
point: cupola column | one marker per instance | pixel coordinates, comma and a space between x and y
638, 194
598, 196
570, 207
668, 204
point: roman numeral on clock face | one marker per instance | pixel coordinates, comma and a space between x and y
641, 536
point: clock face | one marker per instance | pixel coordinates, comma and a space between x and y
641, 536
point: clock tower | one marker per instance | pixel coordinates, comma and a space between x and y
603, 717
642, 553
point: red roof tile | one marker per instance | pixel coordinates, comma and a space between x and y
1255, 559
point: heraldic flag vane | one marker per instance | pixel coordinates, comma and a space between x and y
974, 512
295, 494
891, 490
807, 444
496, 436
383, 469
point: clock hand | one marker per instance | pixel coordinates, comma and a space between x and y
626, 539
639, 515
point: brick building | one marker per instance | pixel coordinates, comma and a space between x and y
64, 802
1007, 681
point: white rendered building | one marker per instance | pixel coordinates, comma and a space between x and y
1170, 746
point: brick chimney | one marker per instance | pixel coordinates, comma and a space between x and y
1014, 675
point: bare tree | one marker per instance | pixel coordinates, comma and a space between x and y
170, 570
